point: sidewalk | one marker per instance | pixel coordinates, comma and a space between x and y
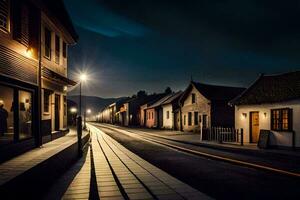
28, 174
194, 139
120, 174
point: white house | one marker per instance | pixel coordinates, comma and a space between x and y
272, 103
168, 107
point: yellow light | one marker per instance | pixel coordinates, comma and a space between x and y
29, 52
73, 110
88, 111
82, 77
65, 88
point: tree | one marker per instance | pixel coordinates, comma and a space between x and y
141, 93
168, 90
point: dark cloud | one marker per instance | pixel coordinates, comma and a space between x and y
143, 44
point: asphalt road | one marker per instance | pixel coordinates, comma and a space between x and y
218, 179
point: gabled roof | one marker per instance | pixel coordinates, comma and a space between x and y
213, 92
173, 98
271, 89
160, 101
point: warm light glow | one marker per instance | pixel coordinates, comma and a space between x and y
88, 111
83, 77
29, 52
1, 102
244, 115
73, 110
65, 88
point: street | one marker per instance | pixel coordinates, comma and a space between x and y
216, 178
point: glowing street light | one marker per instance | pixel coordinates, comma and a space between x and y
73, 110
88, 111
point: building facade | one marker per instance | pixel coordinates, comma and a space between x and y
169, 108
271, 103
30, 60
203, 106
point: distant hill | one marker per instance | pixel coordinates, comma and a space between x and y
94, 103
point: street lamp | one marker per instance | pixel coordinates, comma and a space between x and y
82, 78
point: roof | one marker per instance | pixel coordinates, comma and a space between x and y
271, 89
58, 10
47, 73
214, 92
173, 98
160, 101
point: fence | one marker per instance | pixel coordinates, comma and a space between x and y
220, 134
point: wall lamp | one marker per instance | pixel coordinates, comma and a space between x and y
244, 115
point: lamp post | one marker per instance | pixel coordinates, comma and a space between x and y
82, 78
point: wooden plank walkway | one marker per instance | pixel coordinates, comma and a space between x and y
80, 186
122, 174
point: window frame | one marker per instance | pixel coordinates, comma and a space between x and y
280, 119
64, 50
193, 98
46, 30
190, 118
196, 118
57, 49
46, 92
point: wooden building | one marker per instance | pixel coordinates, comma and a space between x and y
271, 103
34, 37
204, 106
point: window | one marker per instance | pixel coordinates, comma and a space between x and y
6, 115
189, 118
168, 114
193, 98
204, 121
25, 114
64, 49
184, 120
57, 49
281, 119
46, 101
196, 120
47, 43
4, 15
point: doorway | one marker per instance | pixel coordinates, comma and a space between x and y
254, 127
57, 112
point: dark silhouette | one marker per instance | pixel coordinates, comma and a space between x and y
3, 120
168, 90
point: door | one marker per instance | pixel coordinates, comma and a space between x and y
57, 111
254, 127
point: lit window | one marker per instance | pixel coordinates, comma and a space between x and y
281, 119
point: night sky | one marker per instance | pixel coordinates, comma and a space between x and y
131, 45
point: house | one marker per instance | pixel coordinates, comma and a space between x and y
206, 106
170, 112
130, 111
34, 37
143, 108
271, 103
154, 113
